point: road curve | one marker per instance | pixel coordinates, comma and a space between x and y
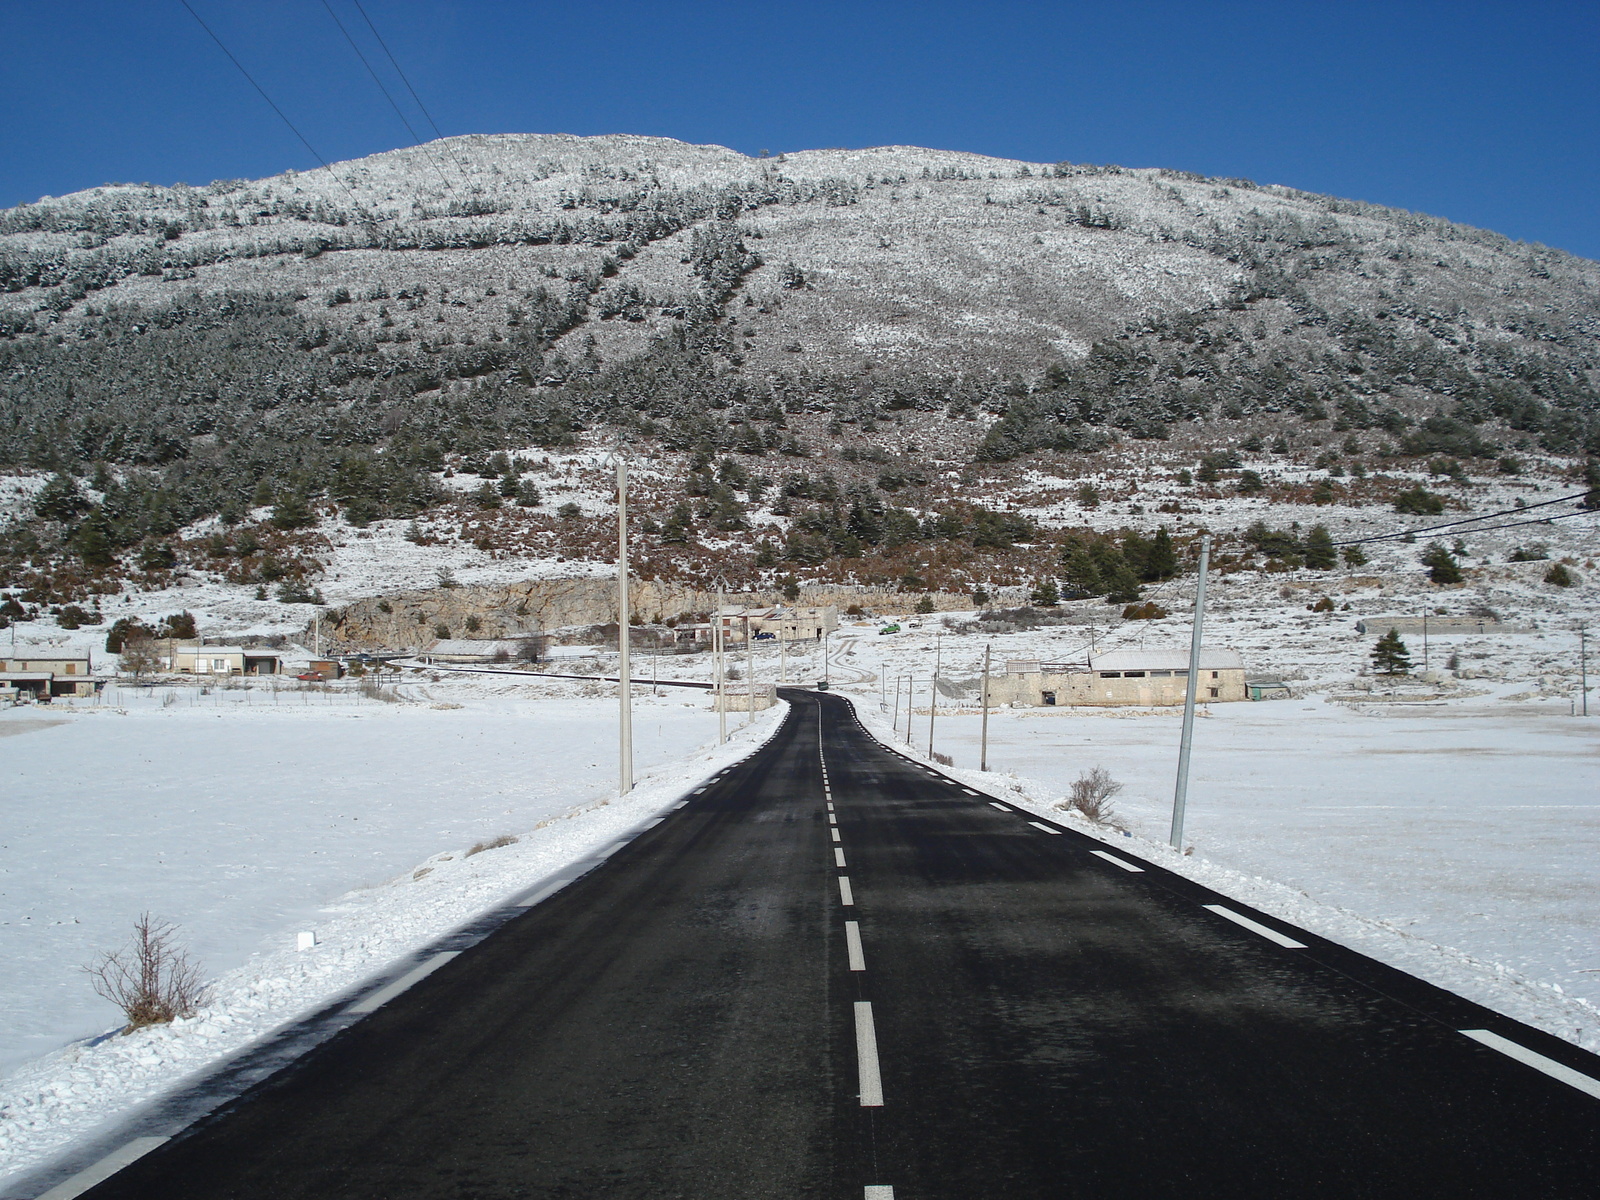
834, 973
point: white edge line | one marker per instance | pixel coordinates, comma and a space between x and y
108, 1166
416, 975
1532, 1058
680, 804
1115, 861
846, 896
611, 849
997, 804
1040, 825
867, 1056
1272, 935
543, 894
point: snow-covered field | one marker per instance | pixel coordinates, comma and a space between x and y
247, 820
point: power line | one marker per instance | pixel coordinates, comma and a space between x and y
389, 54
416, 139
1505, 512
331, 173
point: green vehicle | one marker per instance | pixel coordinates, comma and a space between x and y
889, 629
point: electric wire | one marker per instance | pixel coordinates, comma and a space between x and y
416, 138
1505, 512
389, 54
282, 115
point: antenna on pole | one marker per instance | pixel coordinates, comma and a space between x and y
1180, 794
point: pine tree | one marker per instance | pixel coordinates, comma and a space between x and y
1160, 559
1045, 594
1319, 550
1441, 564
1390, 656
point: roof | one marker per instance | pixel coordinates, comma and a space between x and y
1165, 660
484, 646
204, 650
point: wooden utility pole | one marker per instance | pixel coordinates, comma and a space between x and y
716, 654
933, 687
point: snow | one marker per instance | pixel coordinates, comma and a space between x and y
247, 821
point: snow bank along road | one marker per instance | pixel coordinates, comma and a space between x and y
835, 973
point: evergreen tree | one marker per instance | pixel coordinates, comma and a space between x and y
1080, 572
1160, 559
292, 512
1319, 550
1045, 594
1441, 564
1390, 656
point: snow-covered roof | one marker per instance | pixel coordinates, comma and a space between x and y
1165, 660
473, 646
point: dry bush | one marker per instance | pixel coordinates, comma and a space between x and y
505, 839
1091, 795
944, 760
152, 979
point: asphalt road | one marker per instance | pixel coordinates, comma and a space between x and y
921, 989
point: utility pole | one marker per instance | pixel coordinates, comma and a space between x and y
1424, 639
827, 675
783, 656
911, 694
1583, 666
983, 741
749, 669
1180, 794
624, 664
895, 723
933, 687
716, 654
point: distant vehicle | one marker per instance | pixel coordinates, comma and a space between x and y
822, 685
310, 676
889, 629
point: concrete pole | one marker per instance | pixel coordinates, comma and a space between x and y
933, 687
1180, 794
895, 725
716, 654
1583, 666
749, 669
783, 656
624, 663
983, 741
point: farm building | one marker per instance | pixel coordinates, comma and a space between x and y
1153, 677
465, 651
43, 673
192, 658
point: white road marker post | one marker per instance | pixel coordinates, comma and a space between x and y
624, 663
1180, 793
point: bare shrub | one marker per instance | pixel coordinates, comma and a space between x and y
944, 760
151, 979
505, 839
1091, 795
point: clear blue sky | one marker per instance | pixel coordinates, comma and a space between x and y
1482, 112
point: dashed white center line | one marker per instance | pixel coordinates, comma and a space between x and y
997, 804
832, 820
846, 896
867, 1057
835, 833
1115, 861
830, 806
414, 976
969, 791
108, 1166
1043, 828
852, 943
1584, 1083
1272, 935
838, 857
878, 1191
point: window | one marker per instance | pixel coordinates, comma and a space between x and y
1160, 674
1213, 675
70, 669
1133, 674
1050, 699
1213, 692
220, 665
1110, 675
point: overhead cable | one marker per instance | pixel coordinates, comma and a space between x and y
292, 128
416, 138
1505, 512
389, 54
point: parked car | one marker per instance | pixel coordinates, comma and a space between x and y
889, 629
310, 676
822, 685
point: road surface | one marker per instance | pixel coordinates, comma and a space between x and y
833, 973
